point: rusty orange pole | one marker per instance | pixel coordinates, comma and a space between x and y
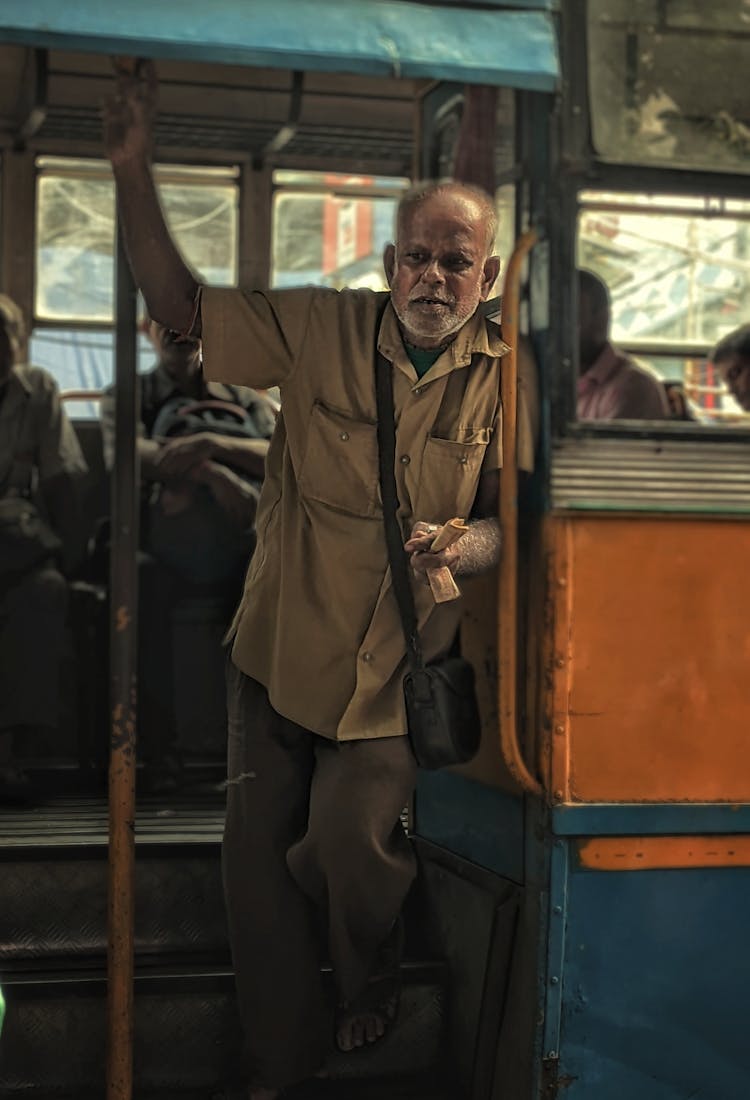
510, 746
123, 651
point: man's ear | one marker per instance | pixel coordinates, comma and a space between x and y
389, 262
489, 275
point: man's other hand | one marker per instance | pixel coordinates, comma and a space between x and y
129, 113
177, 457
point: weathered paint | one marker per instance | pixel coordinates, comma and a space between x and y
398, 38
472, 820
642, 853
650, 819
656, 985
649, 684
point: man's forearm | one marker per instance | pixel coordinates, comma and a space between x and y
479, 548
243, 454
167, 284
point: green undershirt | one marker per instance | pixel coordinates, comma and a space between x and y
422, 358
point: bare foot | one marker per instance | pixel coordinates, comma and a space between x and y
367, 1018
354, 1029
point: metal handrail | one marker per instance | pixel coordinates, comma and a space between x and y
123, 640
507, 637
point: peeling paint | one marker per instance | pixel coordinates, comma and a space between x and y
123, 619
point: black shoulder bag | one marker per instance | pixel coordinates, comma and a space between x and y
441, 704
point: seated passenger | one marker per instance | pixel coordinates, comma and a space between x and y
202, 454
611, 386
40, 536
732, 357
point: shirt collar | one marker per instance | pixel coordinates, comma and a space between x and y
604, 367
19, 377
478, 336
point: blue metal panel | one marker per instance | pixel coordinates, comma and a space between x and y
381, 37
652, 819
477, 822
656, 987
557, 919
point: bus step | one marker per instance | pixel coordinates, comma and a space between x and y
187, 1034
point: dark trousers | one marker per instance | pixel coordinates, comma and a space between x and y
314, 857
32, 630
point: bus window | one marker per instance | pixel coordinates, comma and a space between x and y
678, 273
665, 85
74, 260
331, 229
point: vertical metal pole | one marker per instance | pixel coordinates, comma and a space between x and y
123, 649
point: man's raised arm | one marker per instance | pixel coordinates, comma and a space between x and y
167, 284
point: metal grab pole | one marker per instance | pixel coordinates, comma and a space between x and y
508, 576
122, 667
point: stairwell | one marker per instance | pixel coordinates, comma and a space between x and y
187, 1034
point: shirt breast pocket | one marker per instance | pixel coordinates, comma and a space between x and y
340, 467
450, 475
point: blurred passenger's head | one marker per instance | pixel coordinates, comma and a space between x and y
12, 331
441, 265
593, 318
179, 355
732, 357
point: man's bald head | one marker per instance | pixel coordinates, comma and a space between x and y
420, 193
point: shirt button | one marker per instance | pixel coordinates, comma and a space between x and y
463, 460
367, 657
343, 436
404, 460
418, 390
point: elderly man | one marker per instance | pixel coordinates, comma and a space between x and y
319, 764
40, 537
732, 357
610, 386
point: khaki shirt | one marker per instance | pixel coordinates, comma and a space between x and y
318, 624
37, 440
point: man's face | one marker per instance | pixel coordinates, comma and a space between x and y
180, 355
735, 374
438, 270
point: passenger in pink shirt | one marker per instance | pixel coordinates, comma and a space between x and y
611, 386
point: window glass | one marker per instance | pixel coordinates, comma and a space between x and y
80, 360
331, 230
678, 274
75, 233
666, 82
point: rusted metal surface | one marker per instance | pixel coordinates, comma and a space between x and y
123, 697
650, 667
642, 853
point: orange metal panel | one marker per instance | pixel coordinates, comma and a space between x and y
657, 616
637, 853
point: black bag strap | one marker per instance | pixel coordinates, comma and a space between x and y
389, 493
